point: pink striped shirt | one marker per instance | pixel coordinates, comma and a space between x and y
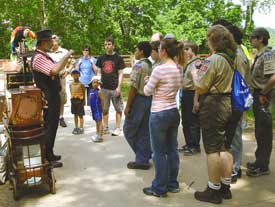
43, 64
163, 84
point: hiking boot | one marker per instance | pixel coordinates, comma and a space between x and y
173, 190
150, 192
140, 166
225, 191
184, 147
209, 195
75, 131
251, 165
116, 132
191, 151
257, 172
106, 130
53, 157
56, 164
62, 122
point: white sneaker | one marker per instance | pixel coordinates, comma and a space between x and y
97, 138
116, 132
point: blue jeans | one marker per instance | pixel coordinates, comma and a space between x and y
237, 147
136, 128
163, 133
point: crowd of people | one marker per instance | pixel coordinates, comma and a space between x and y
163, 67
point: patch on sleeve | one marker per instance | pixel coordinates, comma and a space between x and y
269, 63
138, 66
198, 64
205, 66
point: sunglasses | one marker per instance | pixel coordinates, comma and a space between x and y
86, 50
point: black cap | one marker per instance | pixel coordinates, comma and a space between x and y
74, 71
44, 34
260, 32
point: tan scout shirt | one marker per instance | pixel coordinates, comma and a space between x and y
216, 75
188, 82
263, 68
242, 64
140, 70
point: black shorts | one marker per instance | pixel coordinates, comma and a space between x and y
77, 106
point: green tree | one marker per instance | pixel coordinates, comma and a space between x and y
190, 19
250, 7
131, 20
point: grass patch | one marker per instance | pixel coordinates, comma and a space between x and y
125, 89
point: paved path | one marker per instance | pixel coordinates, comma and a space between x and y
96, 175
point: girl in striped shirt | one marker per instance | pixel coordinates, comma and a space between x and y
163, 84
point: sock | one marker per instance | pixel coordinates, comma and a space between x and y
226, 181
214, 186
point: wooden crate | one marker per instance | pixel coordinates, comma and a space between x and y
24, 106
15, 80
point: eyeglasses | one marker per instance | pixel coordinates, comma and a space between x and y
105, 44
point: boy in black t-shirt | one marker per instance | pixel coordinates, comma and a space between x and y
111, 65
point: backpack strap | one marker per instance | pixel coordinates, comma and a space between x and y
189, 63
230, 62
148, 62
225, 56
90, 58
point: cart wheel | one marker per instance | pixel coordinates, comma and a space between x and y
15, 190
52, 183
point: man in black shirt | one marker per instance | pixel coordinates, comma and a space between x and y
111, 65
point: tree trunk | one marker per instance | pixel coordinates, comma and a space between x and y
42, 14
250, 8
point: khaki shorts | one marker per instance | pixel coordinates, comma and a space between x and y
117, 101
62, 93
215, 112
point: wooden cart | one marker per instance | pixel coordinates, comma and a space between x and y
27, 164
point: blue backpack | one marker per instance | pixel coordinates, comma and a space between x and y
241, 97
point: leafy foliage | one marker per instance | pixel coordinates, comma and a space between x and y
80, 22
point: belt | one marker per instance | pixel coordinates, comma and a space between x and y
188, 91
217, 94
138, 94
257, 90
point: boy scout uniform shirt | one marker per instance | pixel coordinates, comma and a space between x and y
263, 69
215, 75
188, 82
140, 70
